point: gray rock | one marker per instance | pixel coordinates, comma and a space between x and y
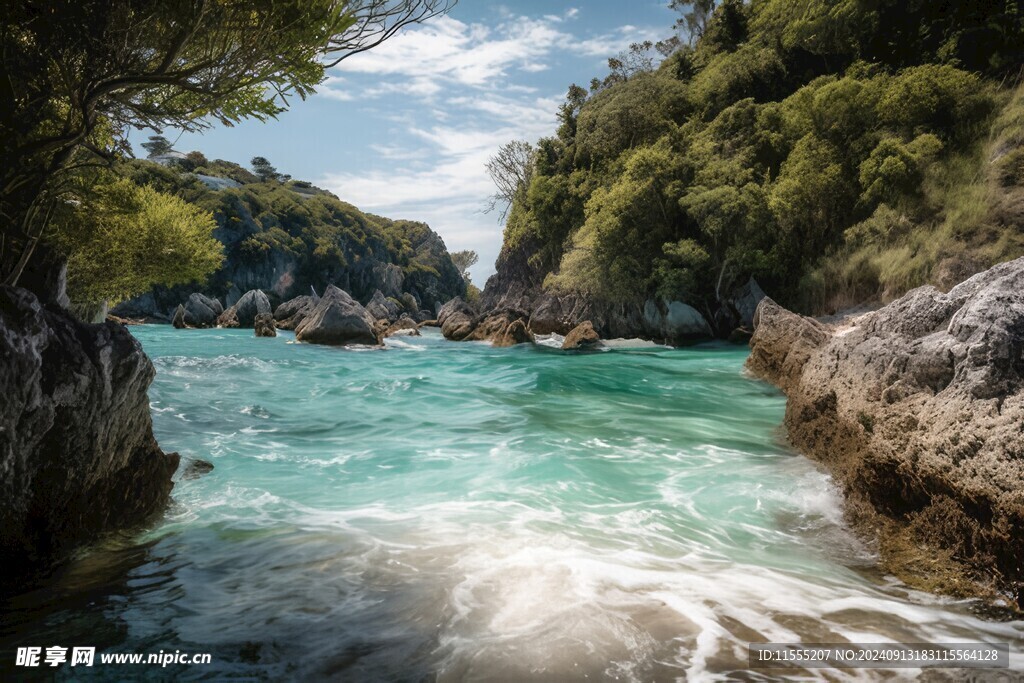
243, 313
195, 468
337, 319
381, 308
675, 321
264, 325
291, 313
744, 301
918, 410
179, 318
403, 326
456, 319
202, 311
77, 453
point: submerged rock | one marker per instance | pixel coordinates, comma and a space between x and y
291, 313
918, 410
196, 468
264, 325
77, 453
244, 311
580, 337
337, 319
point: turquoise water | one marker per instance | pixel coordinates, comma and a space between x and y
454, 511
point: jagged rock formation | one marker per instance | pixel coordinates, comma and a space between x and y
77, 453
202, 311
403, 326
455, 319
918, 410
381, 308
243, 313
290, 314
338, 319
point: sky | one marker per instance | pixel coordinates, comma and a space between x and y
405, 130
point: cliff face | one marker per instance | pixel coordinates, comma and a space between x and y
518, 285
918, 410
77, 453
285, 239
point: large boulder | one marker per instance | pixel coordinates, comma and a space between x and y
290, 314
550, 317
675, 322
583, 336
264, 325
202, 311
918, 410
244, 311
514, 333
456, 319
381, 308
337, 319
77, 453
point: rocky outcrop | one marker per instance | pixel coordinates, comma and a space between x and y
202, 311
918, 410
514, 333
403, 326
291, 313
455, 319
244, 311
337, 319
77, 453
381, 308
583, 336
264, 325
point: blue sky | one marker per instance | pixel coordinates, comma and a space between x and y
404, 130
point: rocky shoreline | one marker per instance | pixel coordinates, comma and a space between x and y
77, 450
917, 410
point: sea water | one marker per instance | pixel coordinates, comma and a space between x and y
452, 511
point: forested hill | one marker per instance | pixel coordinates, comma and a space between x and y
838, 151
284, 236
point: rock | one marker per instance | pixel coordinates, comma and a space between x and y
195, 468
337, 319
580, 337
264, 325
514, 333
290, 314
456, 319
202, 311
403, 326
741, 335
389, 278
744, 301
675, 322
424, 316
549, 317
918, 410
77, 453
179, 318
382, 308
243, 313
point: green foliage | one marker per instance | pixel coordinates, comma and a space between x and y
123, 239
837, 150
157, 145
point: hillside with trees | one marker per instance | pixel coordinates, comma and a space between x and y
284, 236
838, 152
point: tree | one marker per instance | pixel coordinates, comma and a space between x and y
511, 170
77, 74
157, 145
464, 260
263, 168
125, 238
696, 14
